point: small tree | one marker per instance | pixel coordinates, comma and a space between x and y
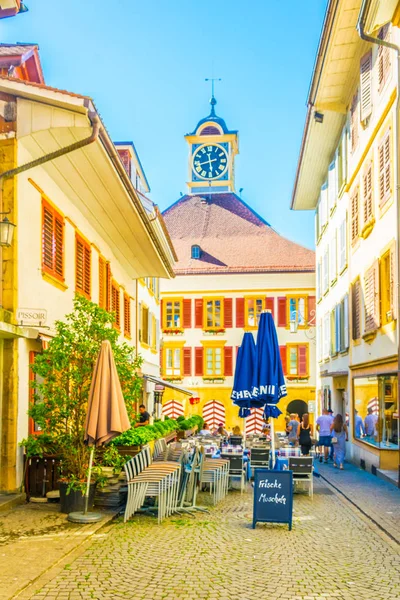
65, 369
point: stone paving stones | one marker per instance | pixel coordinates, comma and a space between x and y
331, 554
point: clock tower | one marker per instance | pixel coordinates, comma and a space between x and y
212, 151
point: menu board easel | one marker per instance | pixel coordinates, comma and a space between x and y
273, 497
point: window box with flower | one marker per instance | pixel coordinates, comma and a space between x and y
175, 331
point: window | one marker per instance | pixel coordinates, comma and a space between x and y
342, 342
367, 195
366, 86
297, 360
172, 314
356, 310
332, 193
388, 285
83, 266
173, 361
326, 337
325, 272
196, 251
319, 340
384, 167
213, 361
354, 217
144, 325
333, 259
253, 310
376, 411
297, 310
343, 245
213, 313
115, 304
354, 133
127, 316
383, 58
371, 298
153, 344
52, 241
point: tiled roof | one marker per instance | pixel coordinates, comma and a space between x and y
43, 87
16, 49
232, 238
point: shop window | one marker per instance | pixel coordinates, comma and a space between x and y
213, 313
376, 411
253, 309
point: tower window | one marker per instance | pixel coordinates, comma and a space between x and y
210, 130
196, 251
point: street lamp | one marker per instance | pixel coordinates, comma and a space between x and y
6, 232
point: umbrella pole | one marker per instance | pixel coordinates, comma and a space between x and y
88, 480
272, 434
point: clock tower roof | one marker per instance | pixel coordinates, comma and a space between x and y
212, 118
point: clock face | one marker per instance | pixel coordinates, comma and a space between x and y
210, 161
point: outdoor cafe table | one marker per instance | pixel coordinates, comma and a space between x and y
234, 450
282, 459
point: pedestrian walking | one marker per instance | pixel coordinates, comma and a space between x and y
340, 435
293, 429
324, 423
305, 433
330, 412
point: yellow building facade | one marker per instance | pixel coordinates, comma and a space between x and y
231, 266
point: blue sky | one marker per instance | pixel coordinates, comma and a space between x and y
144, 63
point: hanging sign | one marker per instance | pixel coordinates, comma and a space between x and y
273, 497
31, 317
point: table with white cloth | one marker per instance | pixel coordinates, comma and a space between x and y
236, 451
282, 459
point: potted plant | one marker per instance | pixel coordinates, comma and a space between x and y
65, 370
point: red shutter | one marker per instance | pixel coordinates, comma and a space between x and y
162, 314
239, 312
228, 360
198, 312
198, 362
187, 362
311, 311
282, 312
282, 350
228, 316
270, 305
302, 358
187, 314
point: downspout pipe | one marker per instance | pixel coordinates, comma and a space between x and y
375, 40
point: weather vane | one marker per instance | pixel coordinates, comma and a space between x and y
212, 79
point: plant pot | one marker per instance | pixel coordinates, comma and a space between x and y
128, 450
107, 472
74, 501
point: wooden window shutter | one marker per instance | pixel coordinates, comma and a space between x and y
354, 123
383, 57
311, 311
366, 85
270, 305
393, 281
116, 307
187, 362
228, 361
88, 270
198, 361
127, 316
187, 313
384, 166
356, 310
198, 313
47, 237
302, 358
108, 287
102, 283
354, 217
367, 192
83, 256
59, 245
228, 312
239, 312
377, 312
282, 317
371, 298
283, 353
52, 241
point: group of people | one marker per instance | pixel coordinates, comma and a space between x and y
220, 430
332, 431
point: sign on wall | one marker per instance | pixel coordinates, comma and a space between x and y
31, 317
273, 497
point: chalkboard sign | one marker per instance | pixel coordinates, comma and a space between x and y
273, 497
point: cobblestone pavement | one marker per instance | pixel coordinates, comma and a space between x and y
331, 553
379, 499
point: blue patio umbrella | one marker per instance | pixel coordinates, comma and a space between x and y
268, 380
243, 380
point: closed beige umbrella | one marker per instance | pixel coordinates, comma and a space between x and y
106, 417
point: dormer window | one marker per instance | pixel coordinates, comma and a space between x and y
196, 251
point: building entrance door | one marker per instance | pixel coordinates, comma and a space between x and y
297, 406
